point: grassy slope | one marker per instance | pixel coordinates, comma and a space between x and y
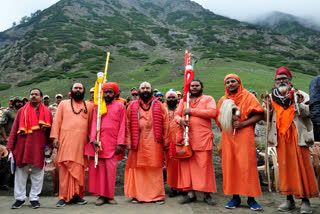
253, 76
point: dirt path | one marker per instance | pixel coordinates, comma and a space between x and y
269, 202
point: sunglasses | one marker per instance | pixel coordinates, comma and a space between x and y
134, 94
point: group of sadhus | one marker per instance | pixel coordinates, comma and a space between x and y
148, 129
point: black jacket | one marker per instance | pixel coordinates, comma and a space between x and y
314, 103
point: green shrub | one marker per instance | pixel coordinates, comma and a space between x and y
159, 61
4, 86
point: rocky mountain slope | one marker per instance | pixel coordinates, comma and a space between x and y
68, 41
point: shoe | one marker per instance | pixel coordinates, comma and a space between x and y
134, 201
209, 200
17, 205
35, 204
61, 203
77, 200
233, 203
254, 205
173, 193
187, 199
305, 207
4, 187
100, 201
287, 206
160, 202
110, 201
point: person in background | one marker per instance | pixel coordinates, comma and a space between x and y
159, 96
91, 100
46, 101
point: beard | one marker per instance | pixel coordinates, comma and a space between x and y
77, 96
172, 103
196, 94
145, 96
108, 99
18, 106
282, 87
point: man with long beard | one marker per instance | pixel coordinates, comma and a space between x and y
6, 123
197, 172
146, 135
291, 133
28, 137
239, 159
101, 180
172, 164
70, 131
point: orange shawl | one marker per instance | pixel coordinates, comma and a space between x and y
29, 121
246, 101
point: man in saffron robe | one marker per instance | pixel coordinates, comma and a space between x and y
70, 131
291, 132
120, 99
146, 135
28, 137
172, 164
239, 159
101, 180
196, 173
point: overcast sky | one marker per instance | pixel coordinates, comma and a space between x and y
243, 10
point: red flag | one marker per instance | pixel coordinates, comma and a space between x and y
188, 74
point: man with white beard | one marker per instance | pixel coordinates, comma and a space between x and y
291, 133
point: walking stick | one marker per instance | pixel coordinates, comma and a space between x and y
266, 156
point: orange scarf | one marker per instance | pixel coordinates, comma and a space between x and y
246, 101
284, 117
29, 121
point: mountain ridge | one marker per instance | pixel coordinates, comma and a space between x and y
68, 41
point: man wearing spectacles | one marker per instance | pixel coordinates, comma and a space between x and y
291, 133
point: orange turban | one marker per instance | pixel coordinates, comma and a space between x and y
111, 85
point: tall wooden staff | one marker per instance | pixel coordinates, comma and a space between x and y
266, 99
102, 78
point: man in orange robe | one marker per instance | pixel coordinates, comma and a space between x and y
291, 132
172, 164
70, 131
120, 99
196, 173
146, 135
239, 159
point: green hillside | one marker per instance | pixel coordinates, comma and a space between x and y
67, 42
212, 72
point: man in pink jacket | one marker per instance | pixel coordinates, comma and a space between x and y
101, 180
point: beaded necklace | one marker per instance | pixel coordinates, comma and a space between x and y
85, 108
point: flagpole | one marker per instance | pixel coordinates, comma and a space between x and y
102, 78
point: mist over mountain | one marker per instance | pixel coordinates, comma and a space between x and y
275, 20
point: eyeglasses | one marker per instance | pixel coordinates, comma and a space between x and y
134, 94
281, 79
